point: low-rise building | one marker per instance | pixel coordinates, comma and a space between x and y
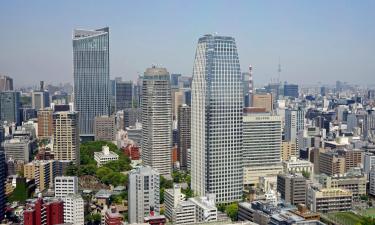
325, 200
294, 165
191, 211
104, 156
354, 183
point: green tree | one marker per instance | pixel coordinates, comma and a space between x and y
88, 169
72, 170
102, 172
232, 211
306, 174
19, 193
367, 221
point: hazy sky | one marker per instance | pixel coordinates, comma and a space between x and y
317, 41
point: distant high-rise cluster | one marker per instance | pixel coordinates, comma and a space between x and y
173, 149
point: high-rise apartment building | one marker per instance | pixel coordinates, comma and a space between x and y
6, 83
45, 123
157, 120
216, 120
10, 107
44, 173
184, 124
74, 209
124, 95
44, 211
294, 122
105, 128
261, 159
66, 138
143, 194
91, 77
66, 185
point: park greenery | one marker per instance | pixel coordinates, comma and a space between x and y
110, 173
19, 194
231, 210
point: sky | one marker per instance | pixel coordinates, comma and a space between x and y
316, 41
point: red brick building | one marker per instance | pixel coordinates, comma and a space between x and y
132, 151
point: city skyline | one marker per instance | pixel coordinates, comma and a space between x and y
335, 45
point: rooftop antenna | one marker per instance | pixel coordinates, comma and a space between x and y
279, 70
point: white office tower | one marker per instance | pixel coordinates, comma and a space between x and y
261, 146
157, 120
216, 120
66, 185
73, 209
294, 122
143, 194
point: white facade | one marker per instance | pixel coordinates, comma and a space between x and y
294, 122
216, 120
104, 156
205, 210
294, 165
157, 120
143, 193
261, 146
66, 185
73, 209
177, 209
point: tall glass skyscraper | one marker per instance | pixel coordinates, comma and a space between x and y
91, 76
216, 120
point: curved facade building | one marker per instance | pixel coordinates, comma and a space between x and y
216, 120
91, 76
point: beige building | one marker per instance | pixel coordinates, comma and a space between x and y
331, 163
105, 128
325, 200
44, 173
355, 184
288, 149
263, 101
66, 136
45, 123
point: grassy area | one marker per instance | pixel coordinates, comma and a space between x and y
369, 212
344, 218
